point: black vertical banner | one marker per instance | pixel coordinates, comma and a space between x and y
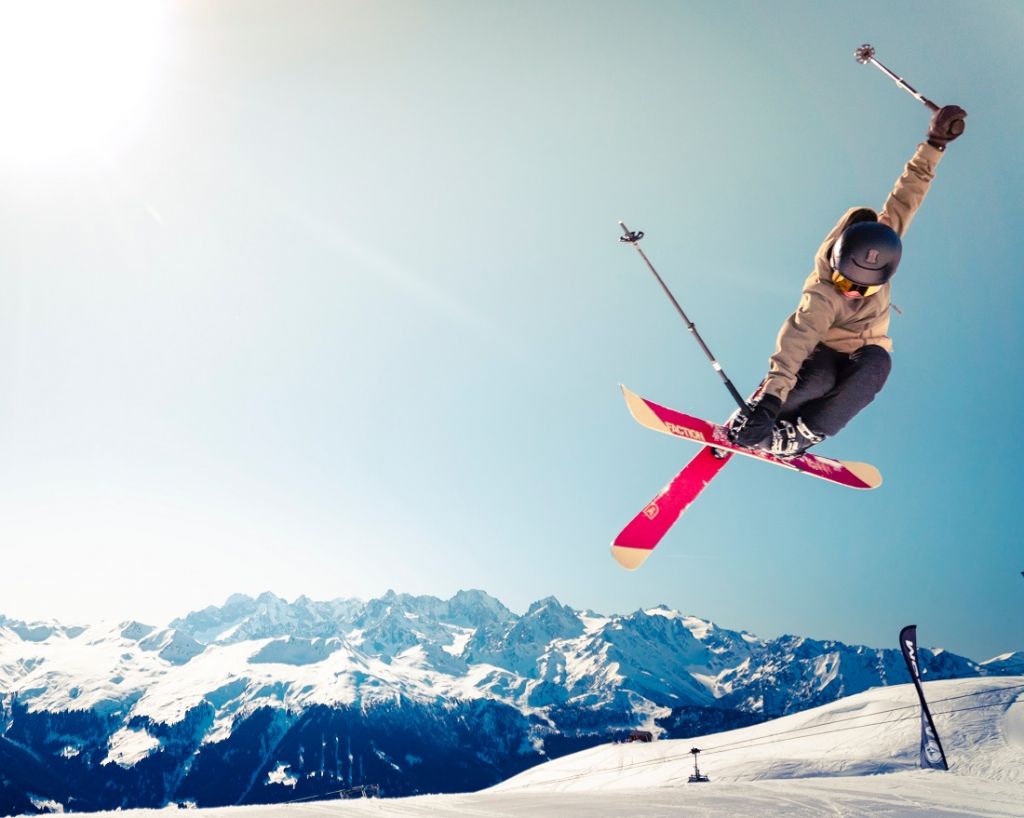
932, 755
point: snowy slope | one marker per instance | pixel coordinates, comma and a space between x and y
980, 722
854, 757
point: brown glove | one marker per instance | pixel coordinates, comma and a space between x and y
946, 125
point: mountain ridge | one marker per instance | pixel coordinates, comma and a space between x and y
240, 691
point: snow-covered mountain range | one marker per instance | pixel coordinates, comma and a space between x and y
264, 700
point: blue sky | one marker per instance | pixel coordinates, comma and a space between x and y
326, 299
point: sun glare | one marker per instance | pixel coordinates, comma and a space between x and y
75, 75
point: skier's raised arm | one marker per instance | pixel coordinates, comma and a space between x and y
832, 355
910, 189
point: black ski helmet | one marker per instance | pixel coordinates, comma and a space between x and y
867, 253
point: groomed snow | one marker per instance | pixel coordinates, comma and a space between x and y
854, 757
872, 733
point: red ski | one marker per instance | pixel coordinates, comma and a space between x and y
636, 541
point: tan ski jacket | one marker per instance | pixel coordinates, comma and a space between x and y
824, 314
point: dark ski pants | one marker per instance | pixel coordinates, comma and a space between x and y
832, 387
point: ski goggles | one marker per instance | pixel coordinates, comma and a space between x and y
852, 288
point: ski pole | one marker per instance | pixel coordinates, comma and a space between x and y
631, 237
866, 54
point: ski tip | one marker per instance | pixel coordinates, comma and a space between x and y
630, 558
866, 473
641, 412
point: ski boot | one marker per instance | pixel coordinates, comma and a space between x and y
790, 439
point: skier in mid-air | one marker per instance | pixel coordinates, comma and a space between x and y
832, 355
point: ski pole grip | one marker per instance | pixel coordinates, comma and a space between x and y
956, 127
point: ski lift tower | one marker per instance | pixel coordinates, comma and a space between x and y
697, 778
